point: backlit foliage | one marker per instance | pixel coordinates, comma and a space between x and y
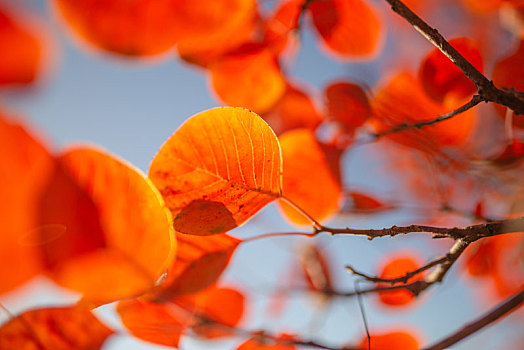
163, 251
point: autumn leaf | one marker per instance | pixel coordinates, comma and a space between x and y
118, 238
294, 110
199, 263
349, 28
217, 170
260, 342
201, 25
402, 100
21, 47
317, 191
25, 167
441, 78
257, 69
209, 314
62, 328
278, 29
395, 267
364, 203
392, 340
128, 28
348, 104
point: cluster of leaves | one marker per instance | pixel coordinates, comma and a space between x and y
158, 244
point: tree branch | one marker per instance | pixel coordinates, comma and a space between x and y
475, 100
486, 88
499, 311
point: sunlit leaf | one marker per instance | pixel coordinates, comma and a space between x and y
399, 340
199, 263
130, 28
294, 110
21, 58
54, 328
282, 24
483, 6
403, 101
349, 28
250, 79
118, 238
209, 314
217, 170
441, 78
308, 179
508, 73
24, 167
348, 104
395, 267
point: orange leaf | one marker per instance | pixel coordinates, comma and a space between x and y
264, 343
365, 203
130, 28
250, 79
400, 340
25, 166
508, 73
316, 192
348, 27
441, 78
348, 104
109, 211
294, 110
397, 267
199, 263
403, 100
62, 328
209, 314
204, 25
217, 170
282, 23
21, 49
216, 309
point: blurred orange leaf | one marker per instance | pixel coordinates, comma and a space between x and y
294, 110
25, 167
62, 328
199, 263
315, 268
109, 211
395, 267
21, 57
364, 203
403, 100
209, 314
441, 78
283, 22
308, 179
348, 104
130, 28
203, 25
508, 73
260, 342
399, 340
350, 28
257, 69
217, 170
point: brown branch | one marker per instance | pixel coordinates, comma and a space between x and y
475, 100
478, 231
502, 309
486, 88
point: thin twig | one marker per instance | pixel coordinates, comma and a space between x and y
502, 309
486, 88
475, 100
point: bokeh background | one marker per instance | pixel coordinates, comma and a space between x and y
130, 108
